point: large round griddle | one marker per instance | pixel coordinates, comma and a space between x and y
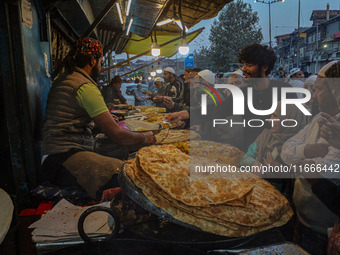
137, 196
180, 232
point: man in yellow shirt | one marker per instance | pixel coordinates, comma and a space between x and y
74, 106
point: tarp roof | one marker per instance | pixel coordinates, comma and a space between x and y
138, 45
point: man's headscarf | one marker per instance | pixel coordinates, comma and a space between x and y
89, 47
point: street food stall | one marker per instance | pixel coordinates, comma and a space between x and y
161, 207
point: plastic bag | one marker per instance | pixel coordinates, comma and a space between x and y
334, 240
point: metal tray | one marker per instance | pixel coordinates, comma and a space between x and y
279, 249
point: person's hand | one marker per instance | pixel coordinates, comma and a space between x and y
177, 116
146, 92
180, 125
330, 130
158, 98
116, 119
316, 150
149, 138
268, 160
168, 102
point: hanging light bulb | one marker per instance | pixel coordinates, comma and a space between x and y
155, 50
153, 72
184, 49
149, 78
159, 68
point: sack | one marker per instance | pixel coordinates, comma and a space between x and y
334, 240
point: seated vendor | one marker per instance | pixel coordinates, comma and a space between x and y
157, 97
140, 97
112, 92
74, 104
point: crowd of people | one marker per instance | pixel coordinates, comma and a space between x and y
76, 108
313, 142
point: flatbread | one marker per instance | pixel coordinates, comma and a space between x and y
208, 220
138, 125
265, 207
169, 168
167, 136
231, 207
216, 152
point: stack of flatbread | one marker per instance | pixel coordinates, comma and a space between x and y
232, 207
167, 136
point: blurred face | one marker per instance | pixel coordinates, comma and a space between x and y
276, 124
251, 71
139, 87
97, 66
325, 99
167, 76
236, 80
281, 74
117, 85
158, 84
197, 81
299, 75
192, 76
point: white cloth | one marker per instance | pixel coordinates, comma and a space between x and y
293, 149
297, 84
170, 70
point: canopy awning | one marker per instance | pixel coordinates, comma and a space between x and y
138, 45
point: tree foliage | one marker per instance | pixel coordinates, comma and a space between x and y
237, 26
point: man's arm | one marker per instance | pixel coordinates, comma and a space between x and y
138, 98
293, 149
109, 127
121, 98
316, 150
177, 116
330, 130
91, 100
